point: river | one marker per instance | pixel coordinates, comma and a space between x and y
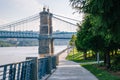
17, 54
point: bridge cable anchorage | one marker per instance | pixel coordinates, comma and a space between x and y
64, 21
66, 17
22, 21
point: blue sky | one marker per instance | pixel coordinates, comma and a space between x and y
11, 10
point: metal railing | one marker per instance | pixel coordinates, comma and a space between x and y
30, 69
43, 67
16, 71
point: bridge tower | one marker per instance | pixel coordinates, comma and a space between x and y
45, 45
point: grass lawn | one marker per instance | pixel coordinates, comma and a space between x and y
77, 57
99, 73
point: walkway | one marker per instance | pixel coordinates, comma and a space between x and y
68, 70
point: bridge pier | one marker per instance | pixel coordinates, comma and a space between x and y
52, 47
46, 46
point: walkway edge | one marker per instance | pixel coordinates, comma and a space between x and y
47, 76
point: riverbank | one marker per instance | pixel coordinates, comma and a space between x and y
5, 44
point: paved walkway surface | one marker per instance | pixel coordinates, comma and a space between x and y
68, 70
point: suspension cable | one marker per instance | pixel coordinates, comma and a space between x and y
65, 21
35, 17
66, 17
21, 21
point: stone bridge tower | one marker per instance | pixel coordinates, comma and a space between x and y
45, 45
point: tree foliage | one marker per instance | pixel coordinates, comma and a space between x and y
100, 30
72, 41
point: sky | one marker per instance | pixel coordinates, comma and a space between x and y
12, 10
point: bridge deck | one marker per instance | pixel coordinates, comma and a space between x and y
68, 70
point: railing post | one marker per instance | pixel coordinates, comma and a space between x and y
57, 59
23, 71
18, 72
10, 72
54, 62
49, 65
14, 71
4, 73
34, 68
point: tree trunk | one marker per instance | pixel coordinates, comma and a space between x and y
84, 54
108, 65
105, 59
115, 52
112, 53
96, 56
93, 54
89, 54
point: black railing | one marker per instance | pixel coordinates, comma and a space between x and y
26, 70
16, 71
31, 69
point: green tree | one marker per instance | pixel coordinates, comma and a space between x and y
101, 25
72, 41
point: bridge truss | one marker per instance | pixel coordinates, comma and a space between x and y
63, 28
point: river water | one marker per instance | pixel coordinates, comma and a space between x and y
17, 54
